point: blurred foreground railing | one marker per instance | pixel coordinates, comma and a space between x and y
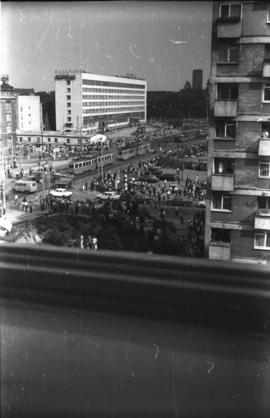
110, 334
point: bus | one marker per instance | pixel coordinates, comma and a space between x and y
25, 186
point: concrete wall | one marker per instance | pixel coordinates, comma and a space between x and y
242, 245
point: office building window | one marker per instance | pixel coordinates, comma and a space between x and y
68, 97
68, 104
68, 89
222, 201
263, 202
69, 112
266, 92
227, 91
264, 169
230, 11
262, 240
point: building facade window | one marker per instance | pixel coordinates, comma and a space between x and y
227, 91
225, 129
68, 104
220, 235
68, 89
266, 92
265, 130
268, 15
221, 201
223, 165
68, 97
264, 169
229, 54
263, 202
69, 119
56, 140
69, 112
262, 240
68, 82
49, 139
230, 10
68, 140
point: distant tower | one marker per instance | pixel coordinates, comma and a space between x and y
197, 78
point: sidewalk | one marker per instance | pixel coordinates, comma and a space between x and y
16, 216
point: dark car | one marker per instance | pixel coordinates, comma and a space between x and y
149, 178
168, 176
178, 201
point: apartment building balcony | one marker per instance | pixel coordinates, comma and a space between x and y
266, 67
262, 219
264, 147
223, 182
229, 28
225, 108
219, 251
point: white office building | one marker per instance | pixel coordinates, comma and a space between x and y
86, 101
28, 113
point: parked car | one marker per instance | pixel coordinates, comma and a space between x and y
60, 192
108, 195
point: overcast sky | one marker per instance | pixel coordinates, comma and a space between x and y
111, 38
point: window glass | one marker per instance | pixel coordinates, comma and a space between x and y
264, 169
235, 10
227, 202
267, 92
224, 10
259, 240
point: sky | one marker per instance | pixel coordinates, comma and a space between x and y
110, 38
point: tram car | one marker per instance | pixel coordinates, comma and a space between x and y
127, 153
130, 152
90, 164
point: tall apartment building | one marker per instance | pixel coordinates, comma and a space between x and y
86, 101
238, 212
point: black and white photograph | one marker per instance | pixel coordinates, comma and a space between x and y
135, 209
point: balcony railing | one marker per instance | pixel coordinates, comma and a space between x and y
262, 219
229, 28
220, 251
225, 108
264, 147
112, 334
223, 182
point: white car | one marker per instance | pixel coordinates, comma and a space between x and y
61, 193
108, 195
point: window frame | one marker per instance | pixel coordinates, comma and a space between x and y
268, 15
259, 174
267, 200
261, 247
265, 86
230, 7
222, 200
229, 86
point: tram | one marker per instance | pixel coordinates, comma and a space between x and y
90, 164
